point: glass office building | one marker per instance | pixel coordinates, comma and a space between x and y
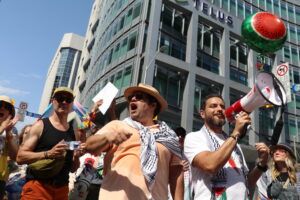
187, 49
63, 68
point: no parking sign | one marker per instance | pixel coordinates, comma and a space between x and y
281, 72
22, 110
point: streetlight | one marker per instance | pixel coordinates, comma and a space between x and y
161, 49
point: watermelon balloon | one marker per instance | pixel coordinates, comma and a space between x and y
264, 32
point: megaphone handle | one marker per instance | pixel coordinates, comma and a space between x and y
244, 131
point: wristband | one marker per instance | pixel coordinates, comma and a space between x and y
46, 154
262, 168
92, 116
234, 137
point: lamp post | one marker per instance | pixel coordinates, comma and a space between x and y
152, 59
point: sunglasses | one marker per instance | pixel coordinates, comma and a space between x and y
138, 96
6, 106
62, 98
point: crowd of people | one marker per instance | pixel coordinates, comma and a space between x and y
141, 157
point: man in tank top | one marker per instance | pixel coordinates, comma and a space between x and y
46, 148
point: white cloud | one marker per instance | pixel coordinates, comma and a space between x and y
4, 82
12, 91
30, 75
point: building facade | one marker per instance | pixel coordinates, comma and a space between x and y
187, 49
63, 68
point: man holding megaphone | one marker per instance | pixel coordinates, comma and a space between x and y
218, 166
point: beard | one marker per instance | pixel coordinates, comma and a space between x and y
215, 122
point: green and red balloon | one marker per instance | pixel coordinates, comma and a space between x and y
264, 32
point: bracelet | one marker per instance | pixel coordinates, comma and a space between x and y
92, 116
262, 168
234, 137
46, 154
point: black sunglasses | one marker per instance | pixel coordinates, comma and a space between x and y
138, 96
5, 105
62, 98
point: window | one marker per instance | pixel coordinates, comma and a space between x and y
121, 23
283, 10
292, 33
132, 41
170, 83
294, 56
118, 80
238, 75
238, 59
204, 87
247, 9
216, 44
167, 16
269, 5
178, 22
123, 48
127, 77
262, 4
174, 19
296, 77
116, 52
232, 7
240, 9
128, 17
276, 7
110, 56
225, 5
286, 51
208, 47
297, 9
291, 13
172, 47
137, 10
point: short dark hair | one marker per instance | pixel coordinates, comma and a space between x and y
180, 131
153, 100
203, 104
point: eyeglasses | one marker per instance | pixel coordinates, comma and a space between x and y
138, 96
62, 98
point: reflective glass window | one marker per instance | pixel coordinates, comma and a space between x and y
291, 13
225, 4
292, 33
132, 41
276, 7
240, 9
137, 10
118, 80
167, 16
297, 11
255, 2
262, 4
294, 55
233, 7
286, 50
283, 10
128, 17
269, 5
247, 9
127, 77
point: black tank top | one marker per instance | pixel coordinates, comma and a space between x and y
49, 138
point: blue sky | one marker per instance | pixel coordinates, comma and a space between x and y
30, 32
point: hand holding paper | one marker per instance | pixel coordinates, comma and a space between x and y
107, 94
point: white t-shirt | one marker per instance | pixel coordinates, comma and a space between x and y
196, 142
